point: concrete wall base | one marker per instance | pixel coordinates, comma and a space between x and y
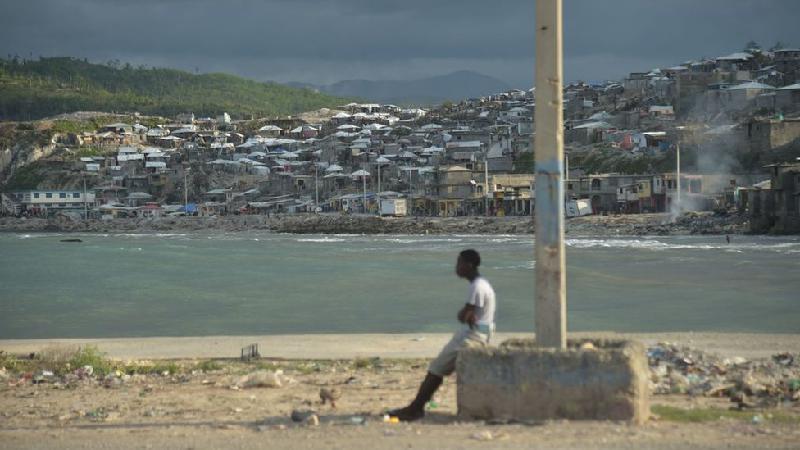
592, 380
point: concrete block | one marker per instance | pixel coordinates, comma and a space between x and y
591, 379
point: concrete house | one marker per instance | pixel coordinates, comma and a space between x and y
741, 95
776, 208
787, 98
456, 186
767, 134
787, 61
43, 200
511, 194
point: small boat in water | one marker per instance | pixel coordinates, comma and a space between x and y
71, 240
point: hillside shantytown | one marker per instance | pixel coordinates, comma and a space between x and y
719, 134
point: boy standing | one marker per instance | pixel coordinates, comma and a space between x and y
477, 317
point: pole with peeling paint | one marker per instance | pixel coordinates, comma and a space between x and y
550, 304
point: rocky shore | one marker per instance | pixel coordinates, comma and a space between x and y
639, 224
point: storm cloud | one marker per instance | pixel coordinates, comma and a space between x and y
321, 41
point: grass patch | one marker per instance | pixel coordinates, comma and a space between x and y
170, 367
700, 415
362, 363
267, 365
60, 360
208, 366
305, 368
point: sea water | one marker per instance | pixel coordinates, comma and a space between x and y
117, 285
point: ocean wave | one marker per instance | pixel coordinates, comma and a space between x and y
140, 235
322, 239
526, 265
656, 245
38, 235
504, 240
631, 243
421, 240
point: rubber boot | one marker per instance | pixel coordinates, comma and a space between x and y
416, 409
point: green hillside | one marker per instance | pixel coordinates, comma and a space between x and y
49, 86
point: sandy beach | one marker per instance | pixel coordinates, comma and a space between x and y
348, 346
199, 397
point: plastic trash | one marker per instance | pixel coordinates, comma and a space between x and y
358, 420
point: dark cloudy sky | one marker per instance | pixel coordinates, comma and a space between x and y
323, 41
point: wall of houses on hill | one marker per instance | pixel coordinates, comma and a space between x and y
468, 158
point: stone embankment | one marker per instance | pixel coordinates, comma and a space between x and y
640, 224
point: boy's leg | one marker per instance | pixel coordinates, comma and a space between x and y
441, 366
416, 409
445, 363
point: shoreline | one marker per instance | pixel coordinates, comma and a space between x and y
662, 224
392, 346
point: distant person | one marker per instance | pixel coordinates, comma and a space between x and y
477, 319
728, 238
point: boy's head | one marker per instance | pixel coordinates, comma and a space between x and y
467, 263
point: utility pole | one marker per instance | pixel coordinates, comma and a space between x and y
85, 206
379, 188
364, 182
316, 186
550, 302
486, 184
678, 177
186, 191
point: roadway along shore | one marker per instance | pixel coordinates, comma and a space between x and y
634, 224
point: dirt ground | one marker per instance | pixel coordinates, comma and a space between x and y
197, 404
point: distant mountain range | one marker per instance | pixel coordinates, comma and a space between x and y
455, 86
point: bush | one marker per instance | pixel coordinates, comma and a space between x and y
91, 356
10, 362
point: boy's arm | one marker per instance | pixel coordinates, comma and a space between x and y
467, 315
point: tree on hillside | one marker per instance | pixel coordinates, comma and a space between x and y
778, 45
51, 86
752, 45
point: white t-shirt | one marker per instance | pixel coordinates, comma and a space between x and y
481, 295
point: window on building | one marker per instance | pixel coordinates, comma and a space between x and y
62, 195
35, 195
49, 195
76, 195
596, 184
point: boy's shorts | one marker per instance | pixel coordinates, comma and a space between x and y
445, 363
